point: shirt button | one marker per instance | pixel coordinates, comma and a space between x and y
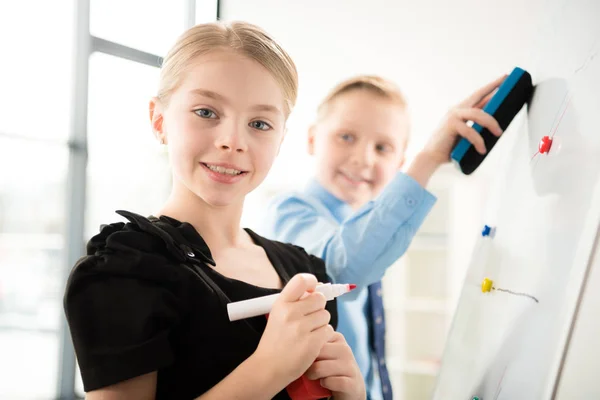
188, 251
379, 292
382, 362
385, 389
378, 320
410, 201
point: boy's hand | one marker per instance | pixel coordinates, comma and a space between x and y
454, 126
338, 371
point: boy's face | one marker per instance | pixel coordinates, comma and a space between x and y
359, 146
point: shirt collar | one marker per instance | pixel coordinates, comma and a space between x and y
338, 208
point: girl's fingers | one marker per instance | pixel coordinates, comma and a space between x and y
333, 351
327, 368
318, 320
340, 384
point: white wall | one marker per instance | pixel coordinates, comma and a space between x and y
437, 51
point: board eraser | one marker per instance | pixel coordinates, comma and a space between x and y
504, 105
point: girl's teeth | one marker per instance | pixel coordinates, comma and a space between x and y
223, 170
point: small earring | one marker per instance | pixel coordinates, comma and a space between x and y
162, 140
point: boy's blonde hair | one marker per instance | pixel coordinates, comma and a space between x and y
244, 38
371, 83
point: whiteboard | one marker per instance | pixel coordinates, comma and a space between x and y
545, 208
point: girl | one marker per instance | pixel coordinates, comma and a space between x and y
147, 305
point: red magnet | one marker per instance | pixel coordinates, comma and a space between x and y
545, 144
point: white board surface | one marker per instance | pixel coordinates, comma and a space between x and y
546, 213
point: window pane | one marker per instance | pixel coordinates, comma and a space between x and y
36, 49
148, 25
206, 11
32, 215
79, 392
128, 168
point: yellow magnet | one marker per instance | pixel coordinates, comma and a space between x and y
486, 285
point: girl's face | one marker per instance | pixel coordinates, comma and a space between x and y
224, 125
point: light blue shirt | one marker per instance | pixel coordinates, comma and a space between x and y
357, 247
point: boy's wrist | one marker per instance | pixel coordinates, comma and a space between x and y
422, 168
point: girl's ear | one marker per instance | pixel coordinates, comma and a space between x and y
311, 140
156, 119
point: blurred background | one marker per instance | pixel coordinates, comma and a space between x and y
76, 145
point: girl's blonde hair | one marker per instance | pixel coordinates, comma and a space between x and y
371, 83
246, 39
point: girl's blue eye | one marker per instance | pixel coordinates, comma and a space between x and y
205, 113
346, 137
260, 125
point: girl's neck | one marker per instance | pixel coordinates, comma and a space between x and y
219, 226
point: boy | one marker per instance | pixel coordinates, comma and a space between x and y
360, 213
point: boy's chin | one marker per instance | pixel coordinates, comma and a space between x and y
354, 196
355, 200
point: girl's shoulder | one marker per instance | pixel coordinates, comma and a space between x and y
127, 296
148, 251
150, 237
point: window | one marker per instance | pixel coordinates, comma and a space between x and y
206, 11
148, 25
127, 168
32, 215
34, 126
36, 49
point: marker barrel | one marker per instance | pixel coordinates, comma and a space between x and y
263, 305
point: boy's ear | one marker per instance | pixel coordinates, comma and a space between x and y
156, 110
311, 140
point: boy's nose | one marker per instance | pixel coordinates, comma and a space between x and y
363, 156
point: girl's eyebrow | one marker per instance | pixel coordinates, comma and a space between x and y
267, 108
216, 96
209, 94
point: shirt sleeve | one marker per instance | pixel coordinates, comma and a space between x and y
361, 248
120, 316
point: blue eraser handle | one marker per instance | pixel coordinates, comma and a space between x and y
504, 105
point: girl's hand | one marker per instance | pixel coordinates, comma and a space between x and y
297, 329
338, 371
